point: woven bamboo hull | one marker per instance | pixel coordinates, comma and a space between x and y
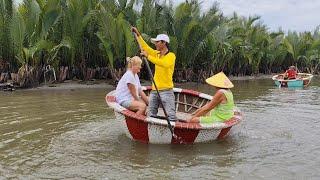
155, 131
303, 80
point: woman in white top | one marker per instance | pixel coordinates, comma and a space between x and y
128, 92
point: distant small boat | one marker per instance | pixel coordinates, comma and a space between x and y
303, 80
155, 129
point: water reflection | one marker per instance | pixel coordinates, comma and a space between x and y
72, 134
244, 89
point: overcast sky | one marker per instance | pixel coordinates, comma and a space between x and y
298, 15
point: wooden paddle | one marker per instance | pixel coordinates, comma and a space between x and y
155, 85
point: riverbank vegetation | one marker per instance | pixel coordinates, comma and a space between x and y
44, 40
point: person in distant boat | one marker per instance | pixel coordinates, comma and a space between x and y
164, 61
221, 107
128, 92
291, 73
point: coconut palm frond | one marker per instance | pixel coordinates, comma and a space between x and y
18, 33
107, 47
50, 16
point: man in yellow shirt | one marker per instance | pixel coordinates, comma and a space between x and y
164, 62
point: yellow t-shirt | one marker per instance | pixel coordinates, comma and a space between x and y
164, 66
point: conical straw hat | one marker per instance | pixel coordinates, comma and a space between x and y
220, 80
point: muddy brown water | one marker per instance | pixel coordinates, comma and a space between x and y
72, 134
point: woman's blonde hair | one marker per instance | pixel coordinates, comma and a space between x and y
136, 60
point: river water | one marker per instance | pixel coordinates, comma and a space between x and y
72, 134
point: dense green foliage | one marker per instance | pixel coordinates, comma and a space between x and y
96, 33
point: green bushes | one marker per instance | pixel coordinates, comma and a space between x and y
96, 33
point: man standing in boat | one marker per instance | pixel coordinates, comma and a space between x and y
164, 62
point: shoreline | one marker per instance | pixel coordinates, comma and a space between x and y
77, 84
106, 84
259, 76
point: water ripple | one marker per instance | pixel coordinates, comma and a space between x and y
73, 135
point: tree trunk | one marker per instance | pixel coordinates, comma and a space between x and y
3, 77
14, 77
28, 76
116, 75
90, 74
63, 73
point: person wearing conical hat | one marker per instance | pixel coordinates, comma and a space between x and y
220, 108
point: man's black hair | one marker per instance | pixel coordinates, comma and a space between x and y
167, 44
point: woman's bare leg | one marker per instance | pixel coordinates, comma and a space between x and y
138, 106
194, 120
